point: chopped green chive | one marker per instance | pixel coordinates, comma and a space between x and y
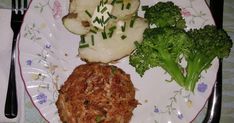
98, 119
111, 16
106, 2
96, 20
113, 69
87, 12
111, 33
95, 27
84, 46
136, 43
82, 39
112, 28
123, 37
119, 1
98, 8
101, 3
123, 27
113, 2
104, 35
144, 8
103, 10
122, 6
92, 39
102, 20
132, 22
104, 29
128, 6
106, 20
93, 31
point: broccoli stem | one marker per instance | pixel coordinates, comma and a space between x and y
175, 72
194, 69
172, 67
193, 75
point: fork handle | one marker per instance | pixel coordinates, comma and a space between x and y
11, 106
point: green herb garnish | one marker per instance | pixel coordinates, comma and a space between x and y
111, 33
87, 12
132, 21
93, 31
104, 35
106, 2
98, 8
103, 10
119, 1
96, 20
111, 16
92, 39
84, 46
113, 69
101, 3
122, 7
102, 21
128, 6
98, 119
95, 27
112, 28
123, 27
106, 20
123, 37
82, 39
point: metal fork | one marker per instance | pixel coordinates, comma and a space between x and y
18, 10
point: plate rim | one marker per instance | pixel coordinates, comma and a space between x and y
30, 97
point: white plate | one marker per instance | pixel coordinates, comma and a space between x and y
48, 54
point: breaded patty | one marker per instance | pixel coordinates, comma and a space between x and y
97, 93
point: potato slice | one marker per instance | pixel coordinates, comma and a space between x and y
114, 48
75, 25
78, 22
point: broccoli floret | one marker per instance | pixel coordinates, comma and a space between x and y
165, 14
208, 43
162, 47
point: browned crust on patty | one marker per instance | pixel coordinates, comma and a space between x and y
97, 93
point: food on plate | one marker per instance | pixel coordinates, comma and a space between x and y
114, 43
126, 8
79, 19
208, 43
97, 93
106, 28
165, 14
166, 44
162, 47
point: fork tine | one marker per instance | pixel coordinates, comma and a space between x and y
13, 4
25, 2
19, 6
